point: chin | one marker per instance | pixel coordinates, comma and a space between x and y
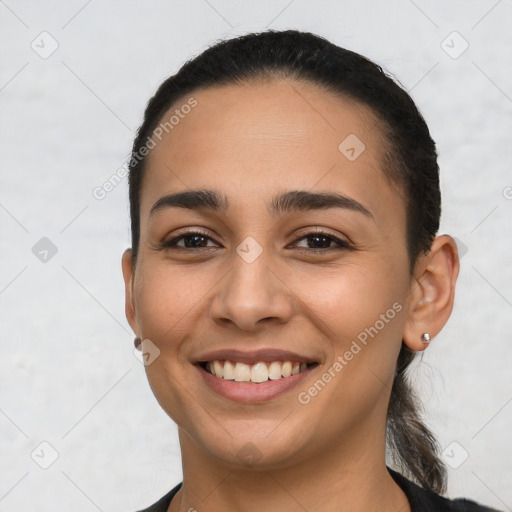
250, 444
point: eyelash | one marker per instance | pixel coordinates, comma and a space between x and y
171, 244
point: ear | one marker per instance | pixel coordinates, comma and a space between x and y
128, 275
432, 292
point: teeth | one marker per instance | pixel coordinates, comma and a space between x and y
286, 369
242, 372
259, 372
274, 370
218, 369
229, 370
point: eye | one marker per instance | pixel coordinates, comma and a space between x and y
191, 240
323, 240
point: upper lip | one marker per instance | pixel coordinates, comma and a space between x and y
253, 356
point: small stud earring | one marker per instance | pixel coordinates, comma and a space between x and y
425, 338
137, 342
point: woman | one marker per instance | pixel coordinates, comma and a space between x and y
284, 272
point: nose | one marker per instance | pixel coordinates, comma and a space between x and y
252, 295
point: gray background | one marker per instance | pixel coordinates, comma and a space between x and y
69, 377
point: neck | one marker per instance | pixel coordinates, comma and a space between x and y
351, 477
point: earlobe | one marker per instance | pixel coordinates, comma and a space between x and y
432, 293
128, 276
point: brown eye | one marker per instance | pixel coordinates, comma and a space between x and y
321, 241
191, 240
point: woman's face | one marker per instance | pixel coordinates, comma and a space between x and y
258, 285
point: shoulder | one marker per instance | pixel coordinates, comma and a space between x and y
163, 503
423, 500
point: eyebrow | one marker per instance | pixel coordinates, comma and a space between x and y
293, 200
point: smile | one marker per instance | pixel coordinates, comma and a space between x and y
257, 373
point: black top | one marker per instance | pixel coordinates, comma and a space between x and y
420, 499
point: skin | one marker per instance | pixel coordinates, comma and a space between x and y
251, 142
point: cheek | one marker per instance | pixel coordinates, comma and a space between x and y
353, 297
362, 311
170, 303
164, 301
165, 296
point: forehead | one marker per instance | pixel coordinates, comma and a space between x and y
267, 136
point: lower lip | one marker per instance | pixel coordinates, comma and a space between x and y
250, 392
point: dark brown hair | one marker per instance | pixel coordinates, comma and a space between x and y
410, 162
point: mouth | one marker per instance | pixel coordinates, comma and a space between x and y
256, 373
255, 376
